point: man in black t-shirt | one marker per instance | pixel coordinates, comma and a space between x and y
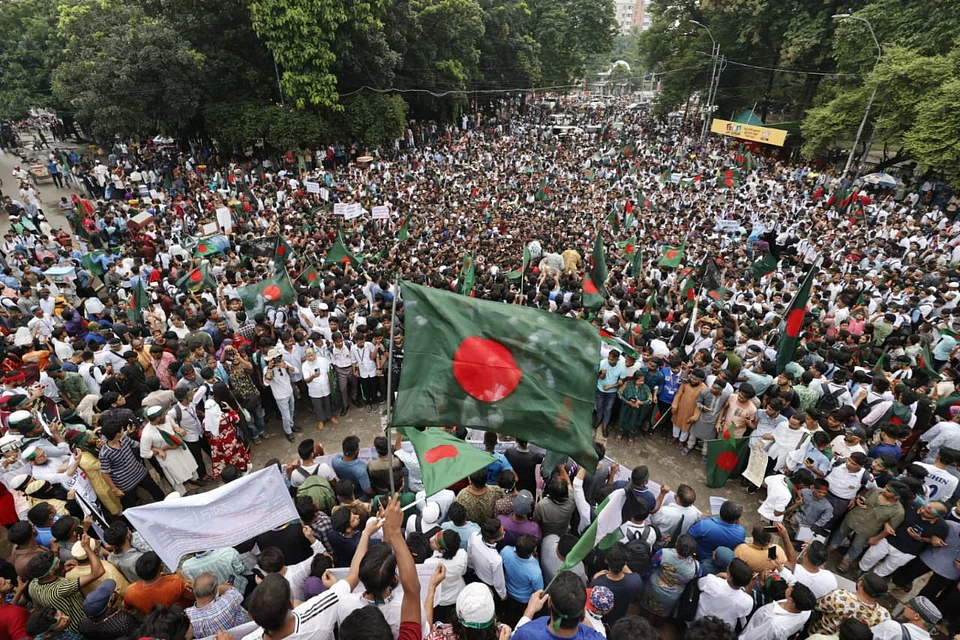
920, 528
524, 463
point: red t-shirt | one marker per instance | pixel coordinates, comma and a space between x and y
410, 631
13, 621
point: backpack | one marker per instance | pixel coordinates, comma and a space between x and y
866, 407
317, 488
898, 413
638, 552
864, 474
686, 609
830, 401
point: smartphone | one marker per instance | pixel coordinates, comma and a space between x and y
809, 460
770, 529
772, 553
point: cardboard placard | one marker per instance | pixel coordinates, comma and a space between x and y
381, 212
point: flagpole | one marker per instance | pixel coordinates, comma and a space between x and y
393, 324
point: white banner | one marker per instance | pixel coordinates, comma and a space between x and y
381, 213
223, 517
325, 194
225, 219
352, 211
340, 208
312, 187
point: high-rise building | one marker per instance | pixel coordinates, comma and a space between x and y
641, 17
631, 14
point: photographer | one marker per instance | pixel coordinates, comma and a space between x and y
277, 377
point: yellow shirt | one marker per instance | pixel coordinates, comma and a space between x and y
110, 571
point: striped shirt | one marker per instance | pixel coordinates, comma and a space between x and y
222, 613
60, 595
123, 465
316, 618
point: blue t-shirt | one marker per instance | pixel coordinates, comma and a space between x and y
894, 450
499, 463
355, 471
464, 532
711, 533
523, 576
540, 628
612, 375
671, 383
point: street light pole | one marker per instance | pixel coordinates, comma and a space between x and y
715, 53
866, 112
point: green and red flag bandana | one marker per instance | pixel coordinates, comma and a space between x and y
724, 457
491, 366
793, 320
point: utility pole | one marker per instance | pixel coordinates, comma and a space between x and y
714, 54
866, 112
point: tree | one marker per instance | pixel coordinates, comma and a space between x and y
305, 37
124, 72
373, 118
568, 32
29, 50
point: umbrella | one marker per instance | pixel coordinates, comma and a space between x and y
882, 180
365, 159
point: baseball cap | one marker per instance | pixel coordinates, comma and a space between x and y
97, 600
474, 607
523, 503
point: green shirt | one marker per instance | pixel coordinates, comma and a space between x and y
72, 386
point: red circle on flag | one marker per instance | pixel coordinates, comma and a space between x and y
312, 275
727, 461
485, 369
202, 248
440, 452
272, 293
281, 250
246, 206
671, 254
628, 249
795, 322
589, 287
196, 276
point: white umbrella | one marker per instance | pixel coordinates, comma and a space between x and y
882, 180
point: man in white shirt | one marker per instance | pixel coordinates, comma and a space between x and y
809, 568
484, 559
365, 369
781, 619
727, 598
680, 513
316, 373
920, 616
277, 376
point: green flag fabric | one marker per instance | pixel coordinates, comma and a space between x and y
139, 300
340, 254
198, 280
444, 458
310, 275
793, 320
763, 266
637, 264
468, 276
275, 291
925, 361
490, 366
520, 274
205, 248
724, 456
603, 532
672, 256
404, 232
284, 251
593, 282
646, 316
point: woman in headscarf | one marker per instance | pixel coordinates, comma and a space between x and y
222, 422
163, 440
87, 449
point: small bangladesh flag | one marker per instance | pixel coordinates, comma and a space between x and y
688, 291
672, 256
468, 277
629, 248
205, 248
172, 439
310, 275
339, 254
490, 366
404, 232
197, 280
273, 292
618, 343
763, 266
284, 252
925, 361
945, 405
444, 458
647, 316
793, 320
519, 274
595, 278
543, 191
731, 178
723, 457
139, 301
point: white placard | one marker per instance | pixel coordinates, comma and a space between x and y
312, 187
210, 228
353, 211
325, 194
223, 517
340, 208
225, 219
756, 465
381, 212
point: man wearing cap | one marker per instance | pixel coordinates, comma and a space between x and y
22, 422
104, 619
83, 568
277, 376
920, 617
41, 325
519, 523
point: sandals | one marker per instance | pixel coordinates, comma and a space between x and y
620, 438
685, 451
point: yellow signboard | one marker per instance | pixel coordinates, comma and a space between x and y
750, 132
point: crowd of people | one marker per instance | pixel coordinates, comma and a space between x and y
127, 380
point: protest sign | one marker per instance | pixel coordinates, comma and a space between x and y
312, 187
381, 213
340, 208
223, 517
325, 194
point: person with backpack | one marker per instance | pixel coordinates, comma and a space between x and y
624, 584
833, 393
847, 477
307, 466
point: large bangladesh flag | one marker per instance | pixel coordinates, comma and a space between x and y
793, 320
444, 458
724, 456
273, 292
491, 366
593, 290
340, 254
310, 275
763, 266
